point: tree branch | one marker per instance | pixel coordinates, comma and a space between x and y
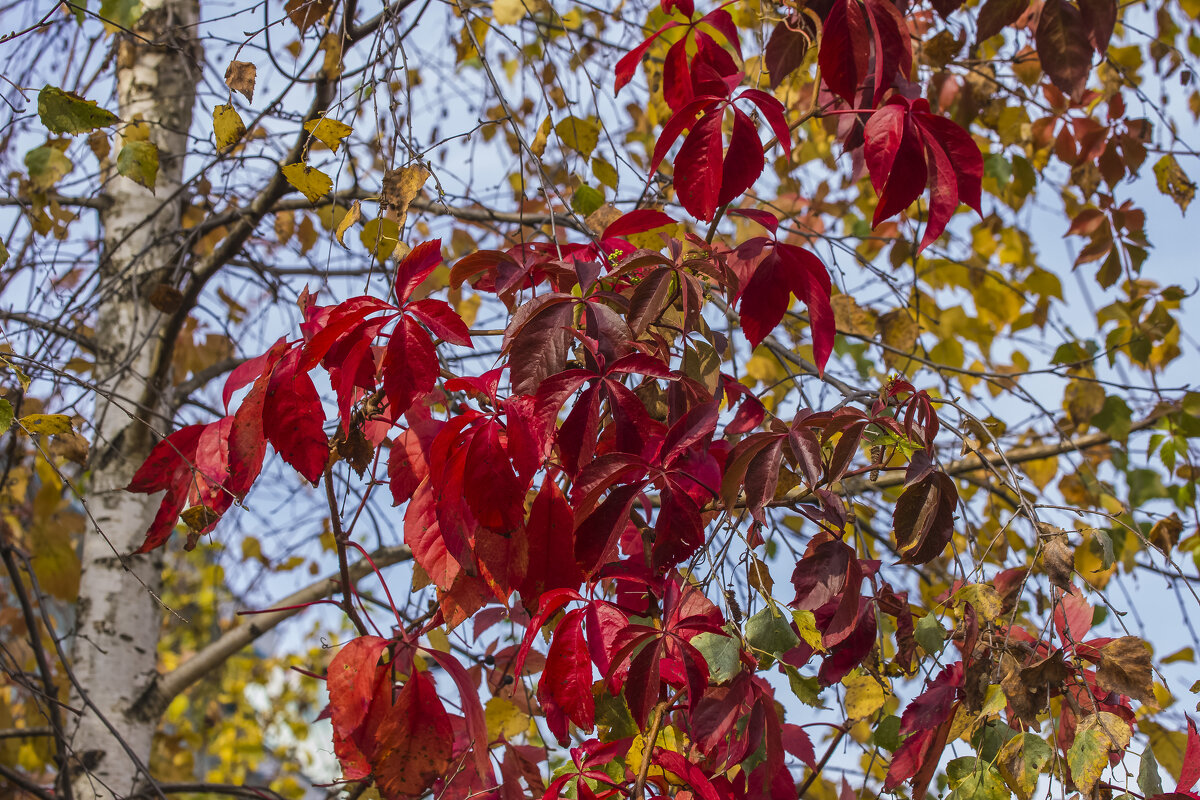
164, 688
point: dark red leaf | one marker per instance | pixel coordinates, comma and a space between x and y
550, 531
845, 51
1063, 46
698, 168
785, 50
924, 518
1099, 19
567, 679
996, 15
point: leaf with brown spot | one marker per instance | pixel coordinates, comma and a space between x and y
306, 13
415, 742
1165, 533
1125, 668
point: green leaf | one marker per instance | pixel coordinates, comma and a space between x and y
806, 689
721, 653
3, 254
887, 733
972, 779
929, 634
67, 112
138, 161
311, 182
118, 14
47, 164
1021, 762
1148, 779
6, 415
605, 172
770, 634
586, 200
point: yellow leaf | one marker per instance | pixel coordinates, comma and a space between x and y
864, 696
380, 236
329, 132
47, 424
227, 126
806, 623
508, 12
538, 145
581, 135
348, 219
504, 719
313, 183
985, 599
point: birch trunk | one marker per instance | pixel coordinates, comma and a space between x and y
119, 616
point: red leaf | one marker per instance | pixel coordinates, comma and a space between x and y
788, 269
443, 320
351, 683
845, 51
472, 710
744, 160
551, 536
293, 419
414, 746
698, 168
407, 466
416, 267
1099, 19
538, 340
637, 221
895, 159
1190, 772
424, 537
410, 366
174, 453
567, 679
629, 62
785, 50
1063, 46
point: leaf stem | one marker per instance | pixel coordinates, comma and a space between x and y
339, 539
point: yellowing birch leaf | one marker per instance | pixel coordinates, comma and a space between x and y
329, 132
47, 424
348, 219
508, 12
227, 126
311, 182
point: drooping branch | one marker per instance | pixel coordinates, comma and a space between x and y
165, 687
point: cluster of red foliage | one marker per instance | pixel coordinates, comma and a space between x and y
586, 487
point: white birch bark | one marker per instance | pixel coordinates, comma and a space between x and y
119, 616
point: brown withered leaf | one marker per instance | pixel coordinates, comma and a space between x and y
356, 451
1047, 673
71, 446
240, 76
759, 576
1125, 668
400, 187
1058, 561
1165, 533
306, 13
851, 317
165, 297
1026, 700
